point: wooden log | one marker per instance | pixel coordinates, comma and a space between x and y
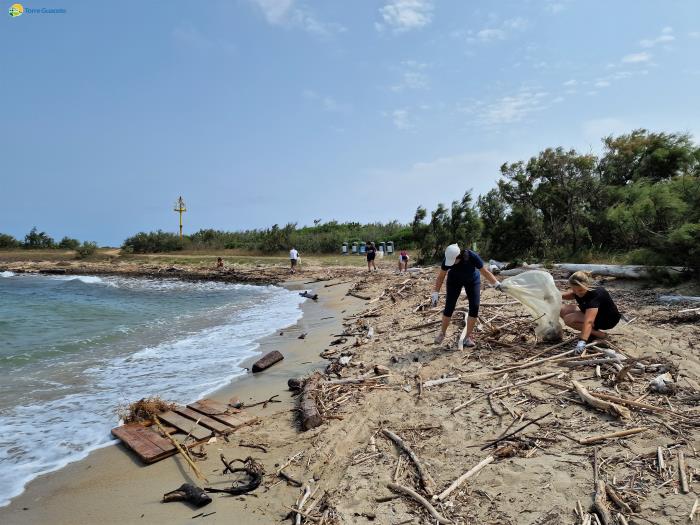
267, 361
600, 503
300, 504
363, 297
682, 473
464, 477
310, 415
189, 493
623, 271
611, 435
635, 404
605, 406
694, 509
426, 481
420, 500
589, 362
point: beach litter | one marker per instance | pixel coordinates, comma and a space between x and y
267, 361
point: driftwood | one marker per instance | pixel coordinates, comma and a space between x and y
363, 297
310, 415
511, 434
611, 435
682, 473
180, 449
426, 481
189, 493
420, 500
267, 361
672, 299
300, 504
442, 381
254, 470
464, 477
309, 295
605, 406
624, 271
635, 404
617, 499
600, 503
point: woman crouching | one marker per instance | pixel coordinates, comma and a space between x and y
595, 310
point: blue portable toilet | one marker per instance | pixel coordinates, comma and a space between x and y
363, 248
354, 248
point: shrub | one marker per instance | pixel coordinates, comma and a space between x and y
86, 249
69, 244
36, 239
8, 241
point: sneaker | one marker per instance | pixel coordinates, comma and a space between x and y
439, 338
469, 343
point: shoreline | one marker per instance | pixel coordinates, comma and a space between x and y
45, 497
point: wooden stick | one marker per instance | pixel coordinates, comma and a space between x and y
462, 338
622, 519
180, 449
419, 499
600, 503
435, 382
304, 497
502, 438
612, 435
695, 508
682, 473
660, 460
635, 404
504, 387
426, 481
617, 499
605, 406
464, 477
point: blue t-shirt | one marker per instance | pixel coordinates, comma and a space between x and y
466, 267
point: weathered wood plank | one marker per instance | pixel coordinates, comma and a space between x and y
204, 420
211, 407
148, 445
185, 425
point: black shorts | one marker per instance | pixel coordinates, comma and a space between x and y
370, 257
294, 262
404, 258
605, 322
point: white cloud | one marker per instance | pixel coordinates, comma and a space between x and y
401, 119
499, 31
286, 13
412, 76
326, 102
513, 108
556, 6
601, 83
516, 23
405, 15
489, 35
571, 82
636, 58
694, 34
665, 37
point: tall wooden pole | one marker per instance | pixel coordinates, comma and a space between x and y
180, 208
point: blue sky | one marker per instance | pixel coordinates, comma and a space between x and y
272, 111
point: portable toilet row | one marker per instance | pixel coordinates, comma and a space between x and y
359, 248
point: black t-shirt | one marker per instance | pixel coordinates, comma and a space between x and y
466, 269
599, 298
371, 252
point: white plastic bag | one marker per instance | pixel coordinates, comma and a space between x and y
536, 290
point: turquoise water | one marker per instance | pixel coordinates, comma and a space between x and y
74, 348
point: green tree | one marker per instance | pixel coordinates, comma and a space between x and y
69, 244
36, 239
8, 241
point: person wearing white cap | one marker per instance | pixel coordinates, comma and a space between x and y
463, 269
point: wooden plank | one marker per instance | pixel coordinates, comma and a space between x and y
223, 413
147, 444
185, 425
211, 407
205, 421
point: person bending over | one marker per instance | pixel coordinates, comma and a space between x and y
595, 310
463, 269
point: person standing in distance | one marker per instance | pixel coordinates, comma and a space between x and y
463, 269
371, 254
293, 257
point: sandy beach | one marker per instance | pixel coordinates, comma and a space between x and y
542, 476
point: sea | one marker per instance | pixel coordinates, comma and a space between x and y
74, 349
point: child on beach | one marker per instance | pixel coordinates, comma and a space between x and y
219, 263
403, 261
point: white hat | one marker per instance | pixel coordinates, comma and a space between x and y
451, 254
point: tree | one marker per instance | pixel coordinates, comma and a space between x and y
68, 244
36, 239
8, 241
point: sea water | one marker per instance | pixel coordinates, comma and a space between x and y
75, 348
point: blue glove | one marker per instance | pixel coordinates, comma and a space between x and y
580, 346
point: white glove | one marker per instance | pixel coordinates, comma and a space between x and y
498, 286
580, 346
434, 299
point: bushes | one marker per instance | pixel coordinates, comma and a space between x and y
69, 244
154, 242
8, 241
86, 249
35, 239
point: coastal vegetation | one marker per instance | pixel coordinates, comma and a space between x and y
638, 202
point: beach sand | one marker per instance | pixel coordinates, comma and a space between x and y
347, 462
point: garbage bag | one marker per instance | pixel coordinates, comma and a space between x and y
536, 290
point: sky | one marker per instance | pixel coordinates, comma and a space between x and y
273, 111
